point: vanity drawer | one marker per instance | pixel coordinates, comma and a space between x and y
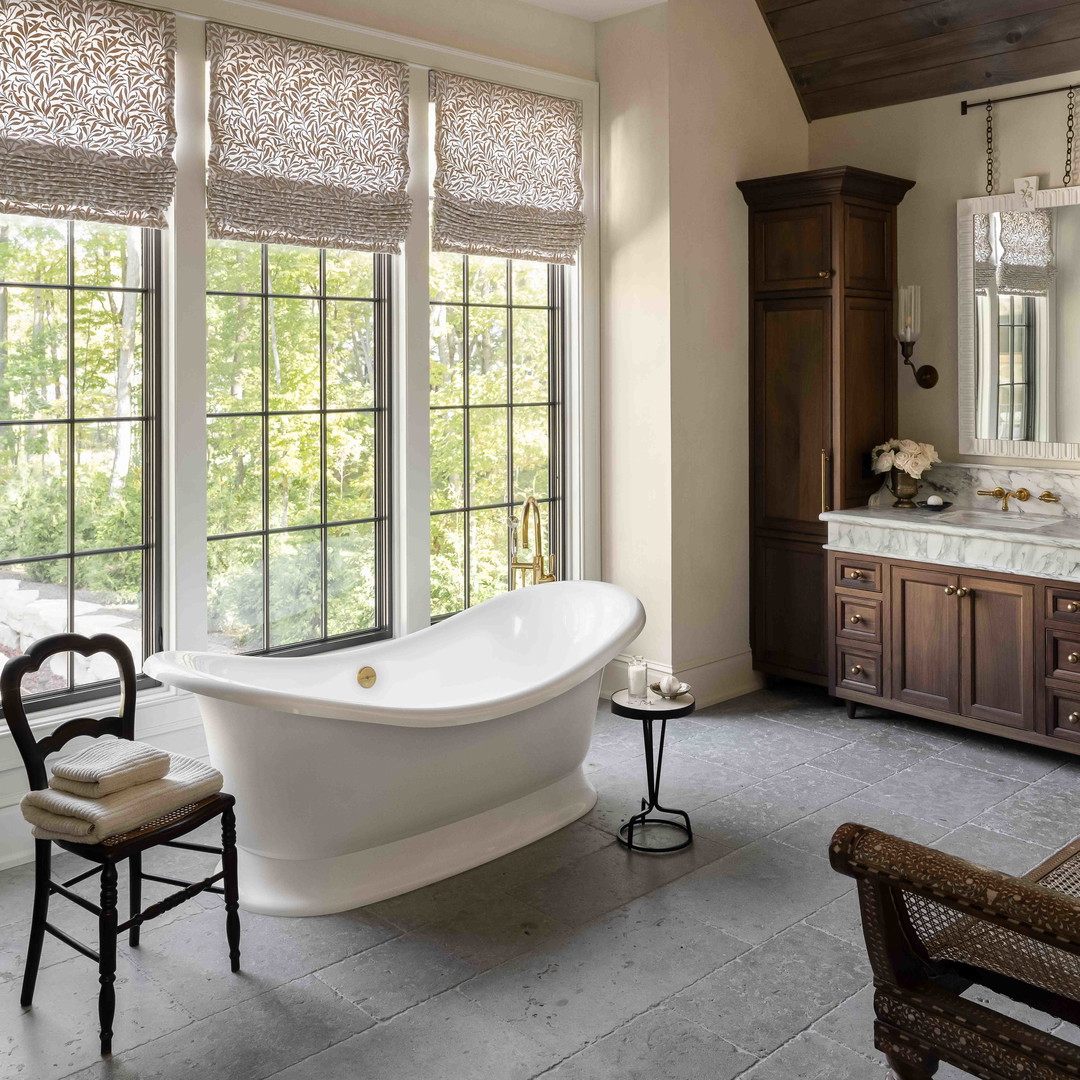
1063, 655
858, 671
858, 618
1062, 606
858, 574
1063, 714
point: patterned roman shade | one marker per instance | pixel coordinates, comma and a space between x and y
86, 110
985, 266
507, 171
1027, 265
309, 144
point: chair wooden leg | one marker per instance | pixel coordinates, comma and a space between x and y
903, 1069
232, 893
42, 878
107, 955
134, 895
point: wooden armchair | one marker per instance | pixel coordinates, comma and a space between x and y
934, 925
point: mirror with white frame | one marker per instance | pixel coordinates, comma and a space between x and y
1018, 268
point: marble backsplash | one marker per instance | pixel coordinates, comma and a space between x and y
958, 483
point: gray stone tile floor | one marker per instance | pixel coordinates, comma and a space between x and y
573, 959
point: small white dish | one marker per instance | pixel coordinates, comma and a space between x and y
684, 688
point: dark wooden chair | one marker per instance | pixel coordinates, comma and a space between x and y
129, 846
935, 925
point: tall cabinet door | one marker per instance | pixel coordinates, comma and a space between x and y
791, 412
997, 662
789, 606
793, 248
925, 638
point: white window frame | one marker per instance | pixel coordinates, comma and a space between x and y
170, 715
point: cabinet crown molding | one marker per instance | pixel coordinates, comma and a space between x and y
838, 180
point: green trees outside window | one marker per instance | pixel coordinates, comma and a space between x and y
78, 372
496, 417
296, 416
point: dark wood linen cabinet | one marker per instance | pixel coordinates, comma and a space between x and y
822, 389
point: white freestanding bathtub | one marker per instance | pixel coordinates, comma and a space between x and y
469, 745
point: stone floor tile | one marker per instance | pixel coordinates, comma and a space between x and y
250, 1041
813, 832
607, 879
1036, 814
606, 974
446, 1038
871, 761
768, 995
758, 890
395, 975
59, 1035
191, 956
851, 1024
941, 792
758, 746
997, 850
657, 1044
841, 918
1015, 760
813, 1057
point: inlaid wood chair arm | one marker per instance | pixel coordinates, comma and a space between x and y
1017, 904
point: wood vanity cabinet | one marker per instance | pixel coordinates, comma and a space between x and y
995, 652
822, 389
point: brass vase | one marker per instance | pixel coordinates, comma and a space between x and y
905, 487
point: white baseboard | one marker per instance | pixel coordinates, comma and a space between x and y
711, 682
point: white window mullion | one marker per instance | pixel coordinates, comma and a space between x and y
184, 406
411, 387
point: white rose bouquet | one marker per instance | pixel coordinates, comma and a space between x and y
911, 457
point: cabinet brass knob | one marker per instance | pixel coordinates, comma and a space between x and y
824, 273
1073, 658
856, 618
950, 590
963, 592
855, 575
856, 669
1073, 718
1072, 606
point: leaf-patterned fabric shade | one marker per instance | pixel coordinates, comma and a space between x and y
1027, 265
507, 171
309, 145
86, 110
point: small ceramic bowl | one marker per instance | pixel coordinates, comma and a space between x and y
942, 506
684, 687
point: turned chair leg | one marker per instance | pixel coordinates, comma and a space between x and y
107, 955
42, 879
232, 894
903, 1069
134, 895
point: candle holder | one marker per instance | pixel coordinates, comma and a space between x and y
908, 320
637, 676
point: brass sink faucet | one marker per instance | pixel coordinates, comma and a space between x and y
1020, 494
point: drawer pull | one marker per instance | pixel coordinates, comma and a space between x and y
962, 592
1072, 606
950, 590
1073, 658
855, 619
855, 575
824, 273
856, 669
1073, 718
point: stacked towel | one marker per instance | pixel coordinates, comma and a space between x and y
59, 815
109, 765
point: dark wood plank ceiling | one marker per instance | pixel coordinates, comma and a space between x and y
847, 55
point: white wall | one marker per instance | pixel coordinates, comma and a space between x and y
945, 154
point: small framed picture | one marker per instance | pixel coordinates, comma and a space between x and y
1026, 187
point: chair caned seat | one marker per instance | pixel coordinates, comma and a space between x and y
173, 817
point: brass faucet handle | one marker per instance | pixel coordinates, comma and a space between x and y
997, 493
1048, 496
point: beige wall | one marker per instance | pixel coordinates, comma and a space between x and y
945, 153
635, 243
503, 29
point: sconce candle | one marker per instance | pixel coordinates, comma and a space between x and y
908, 327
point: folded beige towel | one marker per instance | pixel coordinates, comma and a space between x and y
56, 815
109, 765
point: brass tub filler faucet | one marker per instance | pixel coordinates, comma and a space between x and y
521, 567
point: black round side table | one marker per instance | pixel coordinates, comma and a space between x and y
661, 709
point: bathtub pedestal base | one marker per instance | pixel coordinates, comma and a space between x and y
322, 886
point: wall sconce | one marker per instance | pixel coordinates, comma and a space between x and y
908, 318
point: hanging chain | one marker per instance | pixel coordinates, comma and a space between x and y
989, 148
1067, 178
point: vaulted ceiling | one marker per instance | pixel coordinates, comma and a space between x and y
847, 55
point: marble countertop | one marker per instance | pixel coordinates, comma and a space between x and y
1036, 544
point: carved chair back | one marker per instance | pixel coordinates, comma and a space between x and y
35, 751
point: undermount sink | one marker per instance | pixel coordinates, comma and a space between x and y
1008, 519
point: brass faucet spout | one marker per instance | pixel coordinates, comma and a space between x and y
521, 569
